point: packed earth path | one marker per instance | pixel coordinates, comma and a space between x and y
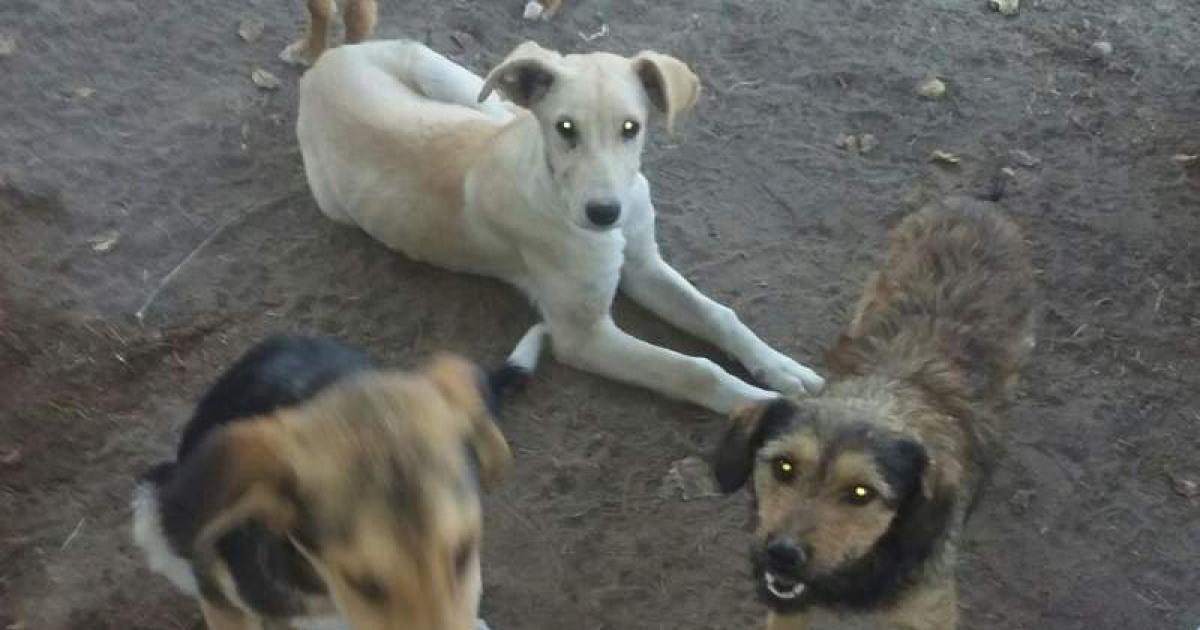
155, 222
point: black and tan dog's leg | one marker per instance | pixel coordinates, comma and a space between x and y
359, 17
307, 49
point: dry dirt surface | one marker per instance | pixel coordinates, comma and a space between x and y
131, 134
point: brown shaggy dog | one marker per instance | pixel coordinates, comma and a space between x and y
862, 491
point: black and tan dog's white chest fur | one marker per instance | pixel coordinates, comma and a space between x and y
314, 490
862, 492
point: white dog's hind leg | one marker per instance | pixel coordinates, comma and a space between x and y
611, 352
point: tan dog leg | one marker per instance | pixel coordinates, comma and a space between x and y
218, 617
306, 50
359, 16
790, 622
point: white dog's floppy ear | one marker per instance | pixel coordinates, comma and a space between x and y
525, 76
671, 86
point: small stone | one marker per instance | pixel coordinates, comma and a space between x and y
846, 141
867, 143
265, 80
8, 46
1008, 172
689, 478
932, 87
104, 242
1184, 486
83, 92
250, 29
1005, 7
1023, 158
1100, 50
1185, 158
945, 157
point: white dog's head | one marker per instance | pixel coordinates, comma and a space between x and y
592, 110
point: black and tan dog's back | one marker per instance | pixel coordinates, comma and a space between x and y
862, 491
313, 489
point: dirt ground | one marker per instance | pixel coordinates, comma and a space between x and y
130, 134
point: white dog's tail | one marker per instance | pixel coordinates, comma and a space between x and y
440, 79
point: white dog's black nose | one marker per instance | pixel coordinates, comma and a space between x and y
603, 213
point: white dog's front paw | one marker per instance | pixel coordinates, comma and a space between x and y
789, 377
481, 625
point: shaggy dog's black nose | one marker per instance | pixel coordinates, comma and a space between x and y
603, 213
784, 555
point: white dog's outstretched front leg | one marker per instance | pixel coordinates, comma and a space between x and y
606, 350
651, 282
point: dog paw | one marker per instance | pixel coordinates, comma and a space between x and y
789, 377
533, 10
481, 625
296, 54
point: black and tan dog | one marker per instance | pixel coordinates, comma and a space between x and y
313, 490
862, 491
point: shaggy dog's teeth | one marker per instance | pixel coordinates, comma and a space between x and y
779, 591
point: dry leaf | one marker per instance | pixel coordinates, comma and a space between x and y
264, 80
944, 157
250, 29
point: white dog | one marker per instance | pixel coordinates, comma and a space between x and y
547, 195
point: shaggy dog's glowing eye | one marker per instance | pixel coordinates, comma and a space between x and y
567, 129
629, 129
783, 468
860, 495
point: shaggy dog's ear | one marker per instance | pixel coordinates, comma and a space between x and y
525, 76
752, 427
924, 515
670, 84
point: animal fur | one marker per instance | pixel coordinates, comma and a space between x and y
543, 191
862, 491
313, 489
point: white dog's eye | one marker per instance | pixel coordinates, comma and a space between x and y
629, 129
567, 129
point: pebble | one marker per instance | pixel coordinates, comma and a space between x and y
1100, 50
265, 80
932, 88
